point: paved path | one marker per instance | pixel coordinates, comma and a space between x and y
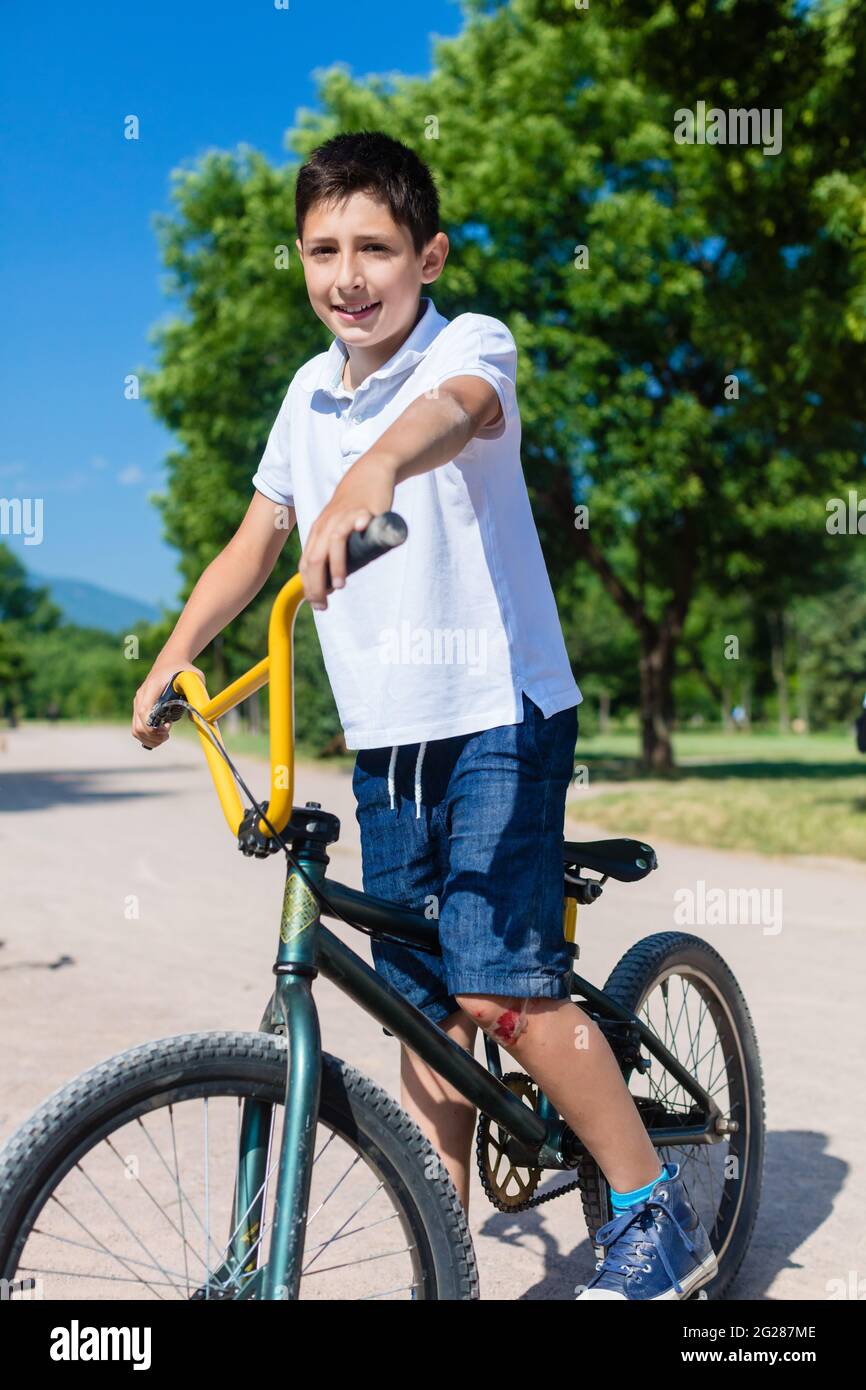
88, 820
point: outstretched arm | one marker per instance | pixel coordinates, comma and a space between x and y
429, 432
224, 589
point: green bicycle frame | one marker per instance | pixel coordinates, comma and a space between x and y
308, 948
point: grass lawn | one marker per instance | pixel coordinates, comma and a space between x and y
774, 793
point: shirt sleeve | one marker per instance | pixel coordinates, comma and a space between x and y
483, 347
273, 477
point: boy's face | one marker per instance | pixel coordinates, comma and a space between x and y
355, 255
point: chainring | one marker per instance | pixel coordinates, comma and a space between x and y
507, 1186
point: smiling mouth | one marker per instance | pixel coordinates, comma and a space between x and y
356, 310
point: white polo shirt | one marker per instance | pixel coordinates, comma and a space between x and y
440, 636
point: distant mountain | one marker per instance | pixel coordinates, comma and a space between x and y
89, 605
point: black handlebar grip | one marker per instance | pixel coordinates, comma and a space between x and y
168, 713
166, 710
385, 532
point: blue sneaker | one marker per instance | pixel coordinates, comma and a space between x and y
655, 1249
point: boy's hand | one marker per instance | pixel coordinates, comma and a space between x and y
365, 492
146, 697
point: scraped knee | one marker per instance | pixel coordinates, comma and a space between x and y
504, 1019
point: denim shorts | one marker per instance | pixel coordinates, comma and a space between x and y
484, 855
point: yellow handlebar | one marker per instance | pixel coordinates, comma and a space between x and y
276, 668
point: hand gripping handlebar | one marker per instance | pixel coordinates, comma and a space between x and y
384, 533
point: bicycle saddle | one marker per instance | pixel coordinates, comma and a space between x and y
625, 860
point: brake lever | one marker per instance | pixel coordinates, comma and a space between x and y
168, 708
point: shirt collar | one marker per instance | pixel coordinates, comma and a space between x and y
329, 378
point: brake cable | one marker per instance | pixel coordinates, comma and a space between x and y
176, 702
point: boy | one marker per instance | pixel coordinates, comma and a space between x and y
463, 760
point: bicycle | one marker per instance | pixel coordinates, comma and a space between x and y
274, 1132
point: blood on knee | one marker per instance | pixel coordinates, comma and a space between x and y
510, 1025
506, 1027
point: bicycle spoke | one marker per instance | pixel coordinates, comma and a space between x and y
147, 1191
177, 1183
111, 1278
328, 1244
403, 1288
95, 1249
181, 1192
726, 1062
355, 1161
113, 1254
206, 1204
356, 1230
365, 1259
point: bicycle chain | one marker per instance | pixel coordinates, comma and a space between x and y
481, 1137
537, 1201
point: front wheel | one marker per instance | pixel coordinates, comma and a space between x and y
681, 988
122, 1185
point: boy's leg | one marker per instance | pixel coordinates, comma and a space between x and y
445, 1116
501, 929
569, 1057
405, 859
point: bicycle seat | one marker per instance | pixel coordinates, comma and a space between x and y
625, 860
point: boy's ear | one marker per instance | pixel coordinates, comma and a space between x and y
300, 248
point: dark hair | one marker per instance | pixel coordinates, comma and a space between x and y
368, 161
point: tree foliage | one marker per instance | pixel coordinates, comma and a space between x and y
695, 377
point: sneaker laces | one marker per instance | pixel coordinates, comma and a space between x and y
627, 1244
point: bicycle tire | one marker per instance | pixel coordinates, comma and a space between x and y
115, 1092
630, 983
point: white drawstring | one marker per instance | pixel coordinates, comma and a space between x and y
419, 760
421, 749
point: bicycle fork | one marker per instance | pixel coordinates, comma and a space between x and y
292, 1013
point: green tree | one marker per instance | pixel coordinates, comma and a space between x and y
26, 611
690, 318
16, 671
828, 638
22, 601
81, 673
720, 652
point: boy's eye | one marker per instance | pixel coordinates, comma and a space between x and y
371, 246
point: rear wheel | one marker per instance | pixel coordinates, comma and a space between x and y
681, 988
122, 1184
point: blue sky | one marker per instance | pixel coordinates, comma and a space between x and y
80, 277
